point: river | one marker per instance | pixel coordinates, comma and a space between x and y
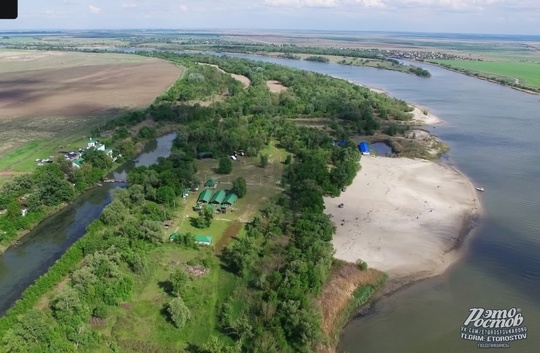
492, 132
20, 266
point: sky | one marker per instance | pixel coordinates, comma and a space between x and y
452, 16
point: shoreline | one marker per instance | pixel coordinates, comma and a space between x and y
410, 223
419, 117
522, 89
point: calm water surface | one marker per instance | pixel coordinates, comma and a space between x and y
492, 132
39, 249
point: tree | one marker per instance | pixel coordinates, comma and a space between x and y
147, 132
263, 160
179, 312
165, 195
239, 187
179, 281
225, 166
205, 218
114, 213
66, 305
98, 159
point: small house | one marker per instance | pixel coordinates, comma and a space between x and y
210, 184
203, 239
229, 200
218, 197
205, 196
77, 163
91, 143
364, 148
185, 192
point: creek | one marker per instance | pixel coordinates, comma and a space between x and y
21, 265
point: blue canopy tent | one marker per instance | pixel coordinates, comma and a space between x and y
364, 148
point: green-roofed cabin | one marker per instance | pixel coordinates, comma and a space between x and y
185, 192
203, 239
218, 197
210, 184
173, 236
77, 163
205, 196
230, 199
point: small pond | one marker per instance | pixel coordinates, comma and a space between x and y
381, 148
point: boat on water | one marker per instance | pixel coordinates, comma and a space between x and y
480, 189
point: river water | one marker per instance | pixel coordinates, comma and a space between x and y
20, 266
492, 132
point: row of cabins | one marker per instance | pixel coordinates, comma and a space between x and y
220, 197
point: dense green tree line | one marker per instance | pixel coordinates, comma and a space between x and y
317, 58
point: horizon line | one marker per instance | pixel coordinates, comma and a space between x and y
255, 29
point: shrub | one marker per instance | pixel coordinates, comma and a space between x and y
179, 312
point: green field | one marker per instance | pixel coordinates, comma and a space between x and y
527, 73
14, 60
26, 140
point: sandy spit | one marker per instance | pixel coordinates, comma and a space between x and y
403, 216
424, 119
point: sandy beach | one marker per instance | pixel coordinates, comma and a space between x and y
403, 216
424, 119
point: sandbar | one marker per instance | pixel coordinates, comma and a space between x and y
403, 216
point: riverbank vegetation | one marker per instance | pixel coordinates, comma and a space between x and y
125, 287
28, 199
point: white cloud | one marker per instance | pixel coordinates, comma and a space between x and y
183, 8
303, 3
129, 5
369, 3
397, 4
94, 9
459, 4
326, 3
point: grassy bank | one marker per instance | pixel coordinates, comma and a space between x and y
524, 75
348, 287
